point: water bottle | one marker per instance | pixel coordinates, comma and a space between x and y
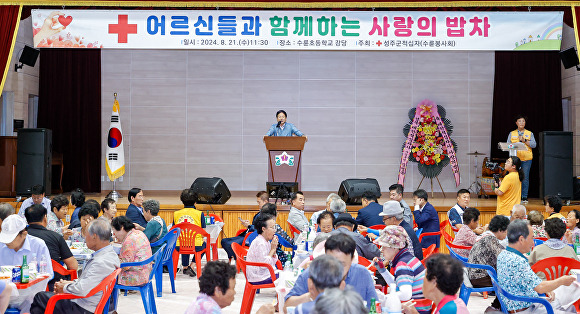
33, 264
42, 265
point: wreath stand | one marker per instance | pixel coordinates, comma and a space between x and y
432, 192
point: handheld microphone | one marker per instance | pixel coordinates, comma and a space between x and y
278, 125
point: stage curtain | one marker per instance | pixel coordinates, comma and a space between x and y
576, 16
10, 17
526, 83
70, 105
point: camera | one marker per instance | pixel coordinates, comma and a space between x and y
496, 178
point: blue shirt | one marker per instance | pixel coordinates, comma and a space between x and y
287, 130
32, 245
28, 202
516, 276
306, 308
358, 278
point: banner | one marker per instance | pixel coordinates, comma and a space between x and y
115, 155
297, 30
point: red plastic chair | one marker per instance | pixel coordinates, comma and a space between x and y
240, 231
216, 217
250, 289
378, 227
294, 230
423, 303
106, 286
187, 237
556, 267
58, 268
365, 262
429, 251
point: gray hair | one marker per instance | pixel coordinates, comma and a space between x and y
101, 229
6, 210
338, 206
516, 229
336, 300
332, 197
151, 206
518, 207
321, 236
400, 216
325, 272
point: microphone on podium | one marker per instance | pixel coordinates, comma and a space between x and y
278, 125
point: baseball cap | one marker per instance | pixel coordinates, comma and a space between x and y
391, 208
11, 226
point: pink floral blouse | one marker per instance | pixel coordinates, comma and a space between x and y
466, 237
258, 253
135, 248
204, 304
539, 231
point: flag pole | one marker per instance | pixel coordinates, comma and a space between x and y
114, 194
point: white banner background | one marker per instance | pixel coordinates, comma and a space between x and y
297, 30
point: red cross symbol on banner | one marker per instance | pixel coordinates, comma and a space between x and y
123, 28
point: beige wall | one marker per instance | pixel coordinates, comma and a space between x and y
187, 114
571, 88
24, 82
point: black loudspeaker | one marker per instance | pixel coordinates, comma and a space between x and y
211, 190
569, 58
29, 56
556, 153
351, 190
576, 188
34, 160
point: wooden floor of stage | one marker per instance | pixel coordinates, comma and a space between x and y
315, 201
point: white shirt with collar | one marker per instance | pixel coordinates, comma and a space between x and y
28, 202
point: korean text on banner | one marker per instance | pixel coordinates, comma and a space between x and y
298, 30
115, 154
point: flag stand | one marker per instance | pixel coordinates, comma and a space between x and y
114, 194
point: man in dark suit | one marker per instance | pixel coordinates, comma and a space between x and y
369, 214
426, 217
135, 209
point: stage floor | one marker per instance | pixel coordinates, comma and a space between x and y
314, 200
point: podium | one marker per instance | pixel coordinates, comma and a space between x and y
284, 156
513, 148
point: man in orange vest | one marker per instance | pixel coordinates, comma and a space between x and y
526, 137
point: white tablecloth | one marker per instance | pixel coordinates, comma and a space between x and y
284, 283
22, 298
214, 230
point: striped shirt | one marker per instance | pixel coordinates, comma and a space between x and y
409, 271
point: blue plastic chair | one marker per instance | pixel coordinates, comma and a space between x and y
251, 238
167, 260
538, 242
418, 232
501, 292
286, 244
466, 291
146, 290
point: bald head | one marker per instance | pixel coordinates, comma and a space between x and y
518, 212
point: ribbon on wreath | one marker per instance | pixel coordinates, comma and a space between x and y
427, 106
